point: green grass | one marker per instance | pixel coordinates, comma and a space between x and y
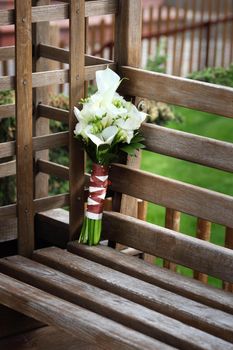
204, 124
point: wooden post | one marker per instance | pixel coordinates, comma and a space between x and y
203, 232
172, 221
194, 10
76, 80
24, 154
201, 36
228, 244
174, 63
40, 95
128, 52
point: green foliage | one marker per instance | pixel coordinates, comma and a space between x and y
216, 75
158, 62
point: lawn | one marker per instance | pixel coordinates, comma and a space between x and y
201, 124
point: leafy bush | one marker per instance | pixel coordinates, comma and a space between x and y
215, 75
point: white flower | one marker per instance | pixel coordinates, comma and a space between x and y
105, 137
107, 83
132, 120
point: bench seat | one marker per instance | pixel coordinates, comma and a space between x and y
95, 294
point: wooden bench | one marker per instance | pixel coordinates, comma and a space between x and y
78, 297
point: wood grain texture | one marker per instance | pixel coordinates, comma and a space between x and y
40, 33
203, 232
8, 168
109, 305
71, 318
7, 53
178, 91
24, 156
7, 111
76, 93
213, 206
192, 313
194, 148
54, 113
155, 275
206, 257
54, 169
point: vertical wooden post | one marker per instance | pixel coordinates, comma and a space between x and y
217, 14
40, 95
203, 232
128, 52
174, 64
24, 153
183, 36
76, 80
201, 36
228, 244
194, 10
172, 221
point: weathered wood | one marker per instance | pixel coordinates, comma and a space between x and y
24, 160
8, 211
172, 222
206, 257
54, 113
202, 96
54, 169
192, 313
190, 199
76, 92
40, 33
61, 11
12, 322
108, 305
155, 275
7, 53
7, 149
194, 148
8, 168
203, 232
55, 201
71, 318
7, 111
228, 244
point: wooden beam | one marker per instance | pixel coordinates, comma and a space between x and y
71, 318
24, 151
156, 240
200, 202
76, 92
186, 146
178, 91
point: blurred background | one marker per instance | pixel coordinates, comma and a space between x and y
187, 38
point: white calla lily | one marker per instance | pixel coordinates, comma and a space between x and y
105, 137
107, 83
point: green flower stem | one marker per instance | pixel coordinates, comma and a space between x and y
90, 232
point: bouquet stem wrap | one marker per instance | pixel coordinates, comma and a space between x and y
91, 229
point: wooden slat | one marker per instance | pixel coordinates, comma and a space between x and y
61, 11
156, 240
155, 275
7, 111
194, 148
60, 76
179, 91
107, 304
54, 169
53, 113
51, 202
8, 168
7, 53
192, 34
76, 174
153, 297
24, 151
200, 202
7, 149
228, 244
50, 141
8, 211
71, 318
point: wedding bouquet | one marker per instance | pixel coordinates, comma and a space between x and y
107, 126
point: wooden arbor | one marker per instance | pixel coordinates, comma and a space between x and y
96, 297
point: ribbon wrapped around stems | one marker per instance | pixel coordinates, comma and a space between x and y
91, 229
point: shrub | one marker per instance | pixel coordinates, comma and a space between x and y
216, 75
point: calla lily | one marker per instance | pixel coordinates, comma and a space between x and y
107, 83
105, 137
